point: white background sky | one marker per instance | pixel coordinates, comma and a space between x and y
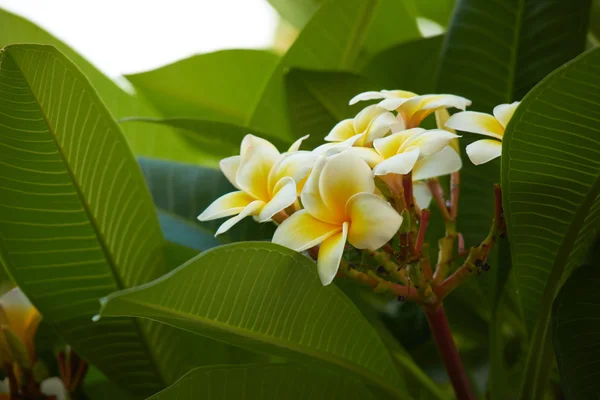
125, 36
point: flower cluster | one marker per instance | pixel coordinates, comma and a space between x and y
345, 191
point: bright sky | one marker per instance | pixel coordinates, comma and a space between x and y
125, 36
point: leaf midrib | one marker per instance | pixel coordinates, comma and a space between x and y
103, 245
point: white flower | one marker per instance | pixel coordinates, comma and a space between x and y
371, 123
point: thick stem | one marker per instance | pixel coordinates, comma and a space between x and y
440, 329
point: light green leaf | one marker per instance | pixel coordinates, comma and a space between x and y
322, 44
439, 11
576, 327
213, 295
222, 86
154, 141
551, 181
263, 381
317, 100
181, 192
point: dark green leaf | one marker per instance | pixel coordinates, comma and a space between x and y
551, 181
263, 381
243, 293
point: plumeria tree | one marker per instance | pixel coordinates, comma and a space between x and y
402, 200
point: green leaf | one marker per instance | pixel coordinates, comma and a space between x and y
575, 325
439, 11
177, 254
181, 192
155, 141
551, 181
213, 138
322, 44
97, 387
223, 85
251, 306
263, 381
317, 100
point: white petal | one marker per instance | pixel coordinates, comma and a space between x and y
311, 196
401, 163
284, 195
252, 209
476, 122
380, 126
370, 156
404, 94
422, 194
429, 142
504, 112
295, 165
390, 145
373, 222
343, 130
226, 205
366, 96
363, 119
441, 163
296, 145
482, 151
302, 231
330, 255
229, 166
392, 103
257, 159
324, 148
250, 141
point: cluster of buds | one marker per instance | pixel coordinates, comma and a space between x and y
368, 190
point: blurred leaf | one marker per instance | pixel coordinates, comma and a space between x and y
551, 180
199, 297
181, 192
439, 11
575, 324
155, 141
222, 86
263, 381
177, 254
317, 100
322, 44
97, 387
409, 66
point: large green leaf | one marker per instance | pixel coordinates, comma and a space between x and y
263, 381
223, 85
439, 11
181, 192
576, 333
551, 181
245, 293
152, 141
322, 44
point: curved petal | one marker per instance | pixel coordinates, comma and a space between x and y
391, 104
226, 205
422, 194
365, 96
390, 145
296, 145
370, 156
373, 222
343, 130
418, 108
311, 196
330, 255
296, 165
343, 176
252, 142
401, 163
380, 126
363, 119
229, 166
441, 117
441, 163
251, 209
18, 313
256, 163
325, 148
482, 151
429, 142
403, 94
504, 112
284, 195
302, 231
476, 122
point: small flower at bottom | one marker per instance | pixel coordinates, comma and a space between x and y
339, 206
484, 150
268, 182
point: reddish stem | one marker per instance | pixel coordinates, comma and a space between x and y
438, 194
461, 245
440, 329
422, 228
408, 190
12, 380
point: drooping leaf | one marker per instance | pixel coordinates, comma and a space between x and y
263, 381
576, 327
551, 181
317, 100
222, 86
181, 192
151, 141
242, 293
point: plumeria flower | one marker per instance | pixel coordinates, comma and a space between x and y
371, 123
19, 320
412, 109
267, 181
339, 206
484, 150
